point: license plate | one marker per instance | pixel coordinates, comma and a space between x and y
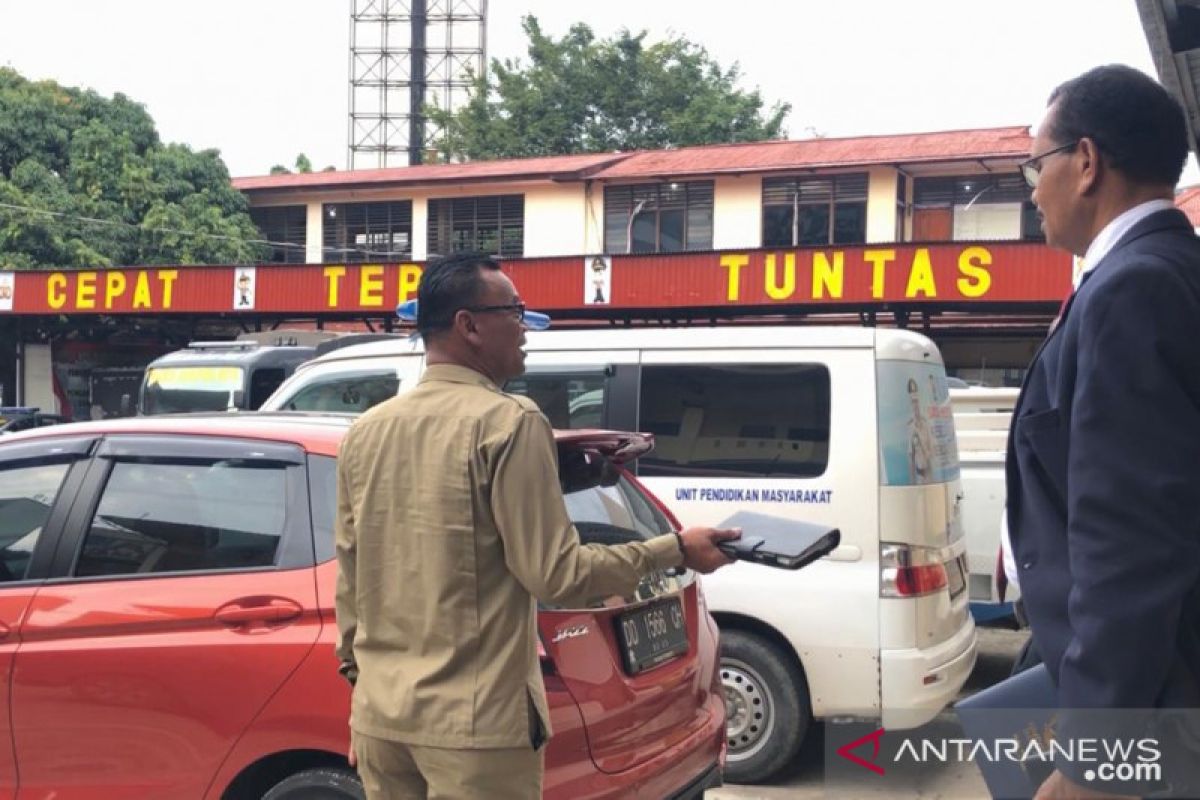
955, 580
652, 635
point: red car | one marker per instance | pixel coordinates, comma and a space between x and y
167, 622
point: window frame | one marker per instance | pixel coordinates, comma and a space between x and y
295, 548
74, 450
442, 213
842, 192
956, 191
704, 193
658, 470
275, 224
337, 239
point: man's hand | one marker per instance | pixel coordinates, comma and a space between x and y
700, 548
1060, 787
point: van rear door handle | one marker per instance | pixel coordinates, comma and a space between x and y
4, 631
258, 609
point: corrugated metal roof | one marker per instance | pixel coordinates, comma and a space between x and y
811, 154
911, 148
548, 168
1188, 201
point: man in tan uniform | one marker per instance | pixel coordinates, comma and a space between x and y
450, 524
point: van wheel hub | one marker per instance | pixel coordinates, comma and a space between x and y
748, 708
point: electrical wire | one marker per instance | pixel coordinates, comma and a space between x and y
203, 234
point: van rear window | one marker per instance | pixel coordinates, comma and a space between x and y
747, 420
916, 424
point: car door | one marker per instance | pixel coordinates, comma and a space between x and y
37, 481
181, 596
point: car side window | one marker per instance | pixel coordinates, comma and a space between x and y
574, 401
186, 517
347, 394
749, 420
26, 497
263, 381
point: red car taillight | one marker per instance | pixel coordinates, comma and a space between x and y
908, 571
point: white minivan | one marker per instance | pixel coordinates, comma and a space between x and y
851, 427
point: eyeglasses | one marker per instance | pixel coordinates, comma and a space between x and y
533, 320
1031, 169
516, 309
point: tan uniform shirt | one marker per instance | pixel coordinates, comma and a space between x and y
450, 523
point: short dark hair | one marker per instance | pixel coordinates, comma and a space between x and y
1137, 125
448, 284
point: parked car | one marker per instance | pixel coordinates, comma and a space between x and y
167, 621
23, 418
849, 427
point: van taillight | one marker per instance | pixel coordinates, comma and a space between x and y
907, 571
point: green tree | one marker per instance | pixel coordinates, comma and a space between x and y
303, 165
86, 182
579, 94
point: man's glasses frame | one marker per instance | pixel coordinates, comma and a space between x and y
1031, 169
517, 309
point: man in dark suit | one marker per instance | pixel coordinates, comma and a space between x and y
1103, 465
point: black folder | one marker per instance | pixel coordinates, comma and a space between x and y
778, 542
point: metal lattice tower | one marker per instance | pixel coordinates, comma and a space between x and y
406, 55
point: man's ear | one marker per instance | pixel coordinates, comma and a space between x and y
1091, 165
464, 324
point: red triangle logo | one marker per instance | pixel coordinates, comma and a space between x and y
873, 738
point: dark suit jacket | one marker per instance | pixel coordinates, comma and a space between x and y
1103, 477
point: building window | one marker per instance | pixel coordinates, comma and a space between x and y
973, 207
901, 204
658, 217
284, 228
358, 232
815, 211
494, 225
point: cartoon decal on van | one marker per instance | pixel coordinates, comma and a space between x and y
916, 424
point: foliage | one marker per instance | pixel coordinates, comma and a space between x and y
86, 182
303, 165
578, 94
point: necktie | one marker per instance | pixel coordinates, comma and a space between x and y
1062, 309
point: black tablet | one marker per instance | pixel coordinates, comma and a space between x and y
778, 542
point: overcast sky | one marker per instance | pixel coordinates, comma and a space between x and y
263, 80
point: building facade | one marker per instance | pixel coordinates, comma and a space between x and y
933, 231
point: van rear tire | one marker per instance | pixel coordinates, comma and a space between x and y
767, 709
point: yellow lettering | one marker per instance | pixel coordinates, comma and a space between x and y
879, 259
56, 290
85, 290
828, 279
734, 264
333, 276
774, 290
114, 287
976, 280
920, 277
141, 291
410, 279
167, 278
370, 286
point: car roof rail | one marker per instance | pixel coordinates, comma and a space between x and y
357, 338
230, 345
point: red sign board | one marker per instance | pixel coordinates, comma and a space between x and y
958, 273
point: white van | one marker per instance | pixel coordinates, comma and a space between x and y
846, 426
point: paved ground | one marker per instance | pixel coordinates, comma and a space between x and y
997, 649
